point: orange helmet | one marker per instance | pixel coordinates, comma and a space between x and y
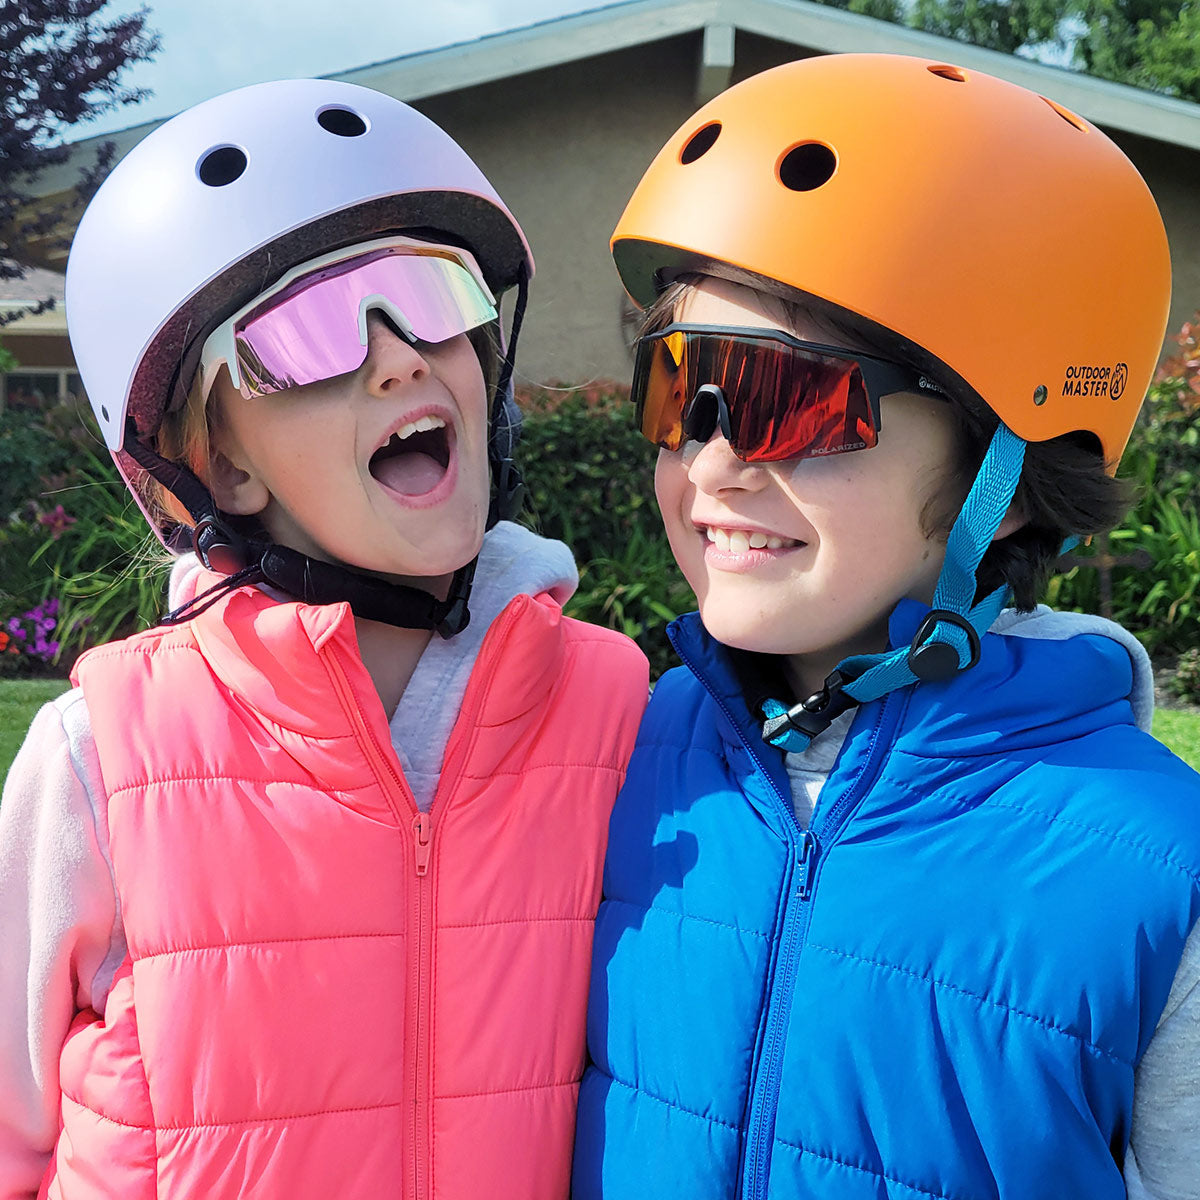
1007, 244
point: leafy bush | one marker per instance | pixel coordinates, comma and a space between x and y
37, 449
105, 567
1160, 604
1185, 683
77, 542
590, 479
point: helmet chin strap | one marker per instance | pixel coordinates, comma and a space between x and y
948, 640
504, 422
248, 561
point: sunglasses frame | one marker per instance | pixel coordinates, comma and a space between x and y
881, 377
220, 347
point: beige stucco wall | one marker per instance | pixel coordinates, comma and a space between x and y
565, 148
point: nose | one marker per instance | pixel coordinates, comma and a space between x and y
392, 360
713, 467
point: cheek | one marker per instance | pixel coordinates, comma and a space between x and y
670, 478
462, 373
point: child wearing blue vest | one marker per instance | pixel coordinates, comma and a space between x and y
900, 892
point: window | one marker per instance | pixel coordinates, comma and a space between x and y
40, 387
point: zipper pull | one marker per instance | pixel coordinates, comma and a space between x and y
423, 828
808, 858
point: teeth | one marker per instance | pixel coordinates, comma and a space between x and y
420, 425
739, 541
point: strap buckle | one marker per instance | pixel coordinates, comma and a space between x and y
217, 547
453, 615
812, 715
509, 490
935, 662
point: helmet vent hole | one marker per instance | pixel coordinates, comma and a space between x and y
221, 166
1067, 115
104, 412
945, 71
805, 168
700, 143
343, 122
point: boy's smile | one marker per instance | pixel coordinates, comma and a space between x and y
383, 469
805, 558
731, 548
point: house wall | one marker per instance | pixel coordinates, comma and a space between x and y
1173, 175
565, 147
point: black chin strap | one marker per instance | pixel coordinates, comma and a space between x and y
248, 561
508, 488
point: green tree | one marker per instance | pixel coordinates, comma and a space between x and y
1142, 42
995, 25
60, 64
1147, 43
883, 10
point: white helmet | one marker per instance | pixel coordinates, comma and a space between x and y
220, 202
215, 204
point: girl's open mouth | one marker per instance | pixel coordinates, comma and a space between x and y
415, 459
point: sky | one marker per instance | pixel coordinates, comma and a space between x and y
210, 46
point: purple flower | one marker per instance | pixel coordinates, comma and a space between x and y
30, 631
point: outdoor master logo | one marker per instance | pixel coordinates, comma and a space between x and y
1096, 381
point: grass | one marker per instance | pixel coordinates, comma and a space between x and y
1179, 729
21, 698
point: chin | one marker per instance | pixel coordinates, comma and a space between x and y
733, 630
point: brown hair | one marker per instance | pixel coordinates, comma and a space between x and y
1064, 490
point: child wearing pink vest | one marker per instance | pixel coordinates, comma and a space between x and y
298, 887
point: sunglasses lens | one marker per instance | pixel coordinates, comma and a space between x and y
660, 389
784, 401
310, 331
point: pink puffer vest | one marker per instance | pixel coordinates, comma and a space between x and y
329, 994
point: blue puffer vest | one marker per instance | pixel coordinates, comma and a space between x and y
940, 990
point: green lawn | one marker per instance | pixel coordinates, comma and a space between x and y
1180, 729
21, 698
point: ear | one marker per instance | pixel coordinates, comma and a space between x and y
236, 490
1013, 520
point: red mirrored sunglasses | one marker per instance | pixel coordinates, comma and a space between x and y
773, 396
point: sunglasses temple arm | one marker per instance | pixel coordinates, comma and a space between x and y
225, 352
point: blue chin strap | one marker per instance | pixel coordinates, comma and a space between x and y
948, 640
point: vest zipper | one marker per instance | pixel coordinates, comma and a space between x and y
454, 763
805, 847
420, 1000
423, 827
401, 800
760, 1133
